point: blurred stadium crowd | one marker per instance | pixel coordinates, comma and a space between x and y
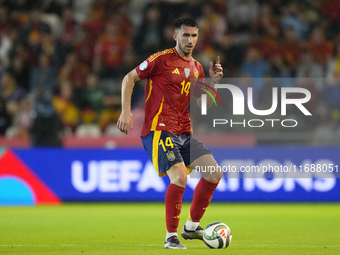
62, 61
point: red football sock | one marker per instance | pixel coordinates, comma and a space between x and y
201, 199
173, 206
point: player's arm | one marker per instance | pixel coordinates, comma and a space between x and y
125, 119
215, 73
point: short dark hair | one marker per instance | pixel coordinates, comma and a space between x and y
185, 21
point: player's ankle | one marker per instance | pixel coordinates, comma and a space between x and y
170, 234
191, 226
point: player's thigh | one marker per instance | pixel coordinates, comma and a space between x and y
163, 150
208, 167
192, 149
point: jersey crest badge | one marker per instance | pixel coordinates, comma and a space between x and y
171, 156
195, 73
187, 72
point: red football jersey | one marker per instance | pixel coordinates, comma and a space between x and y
167, 91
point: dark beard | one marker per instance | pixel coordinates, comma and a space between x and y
183, 50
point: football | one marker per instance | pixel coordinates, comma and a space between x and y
217, 235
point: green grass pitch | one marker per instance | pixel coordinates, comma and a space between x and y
140, 229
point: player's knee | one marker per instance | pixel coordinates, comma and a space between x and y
215, 177
214, 180
178, 174
219, 175
180, 180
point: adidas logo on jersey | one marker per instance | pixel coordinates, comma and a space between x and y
176, 71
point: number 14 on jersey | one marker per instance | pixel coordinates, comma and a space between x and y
185, 87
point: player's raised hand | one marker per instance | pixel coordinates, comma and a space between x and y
216, 71
125, 120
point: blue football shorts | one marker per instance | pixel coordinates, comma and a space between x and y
166, 149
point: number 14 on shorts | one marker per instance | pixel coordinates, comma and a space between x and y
167, 143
